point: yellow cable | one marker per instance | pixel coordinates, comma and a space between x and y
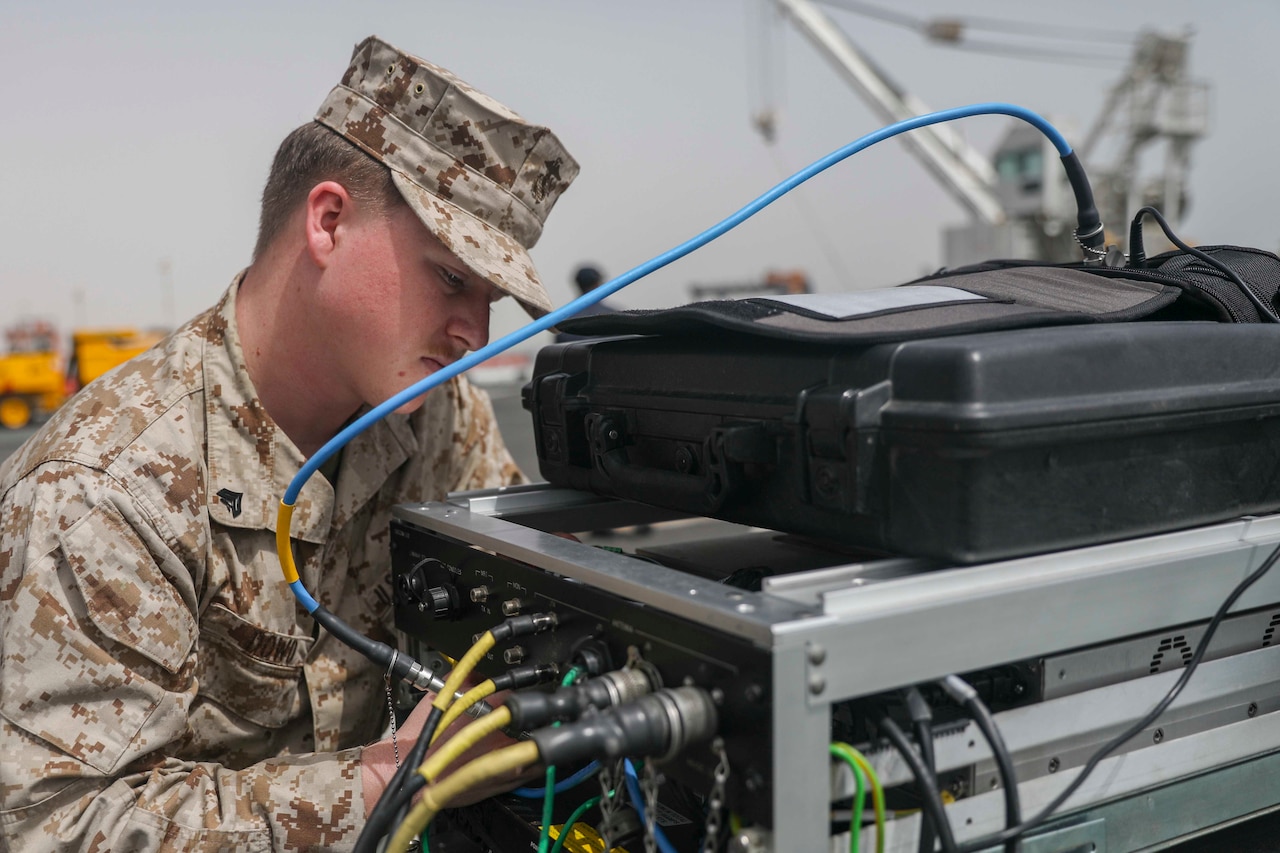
877, 793
457, 709
462, 741
463, 669
471, 775
283, 547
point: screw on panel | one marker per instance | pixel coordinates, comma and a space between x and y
1158, 735
817, 654
1054, 764
1253, 709
817, 684
752, 839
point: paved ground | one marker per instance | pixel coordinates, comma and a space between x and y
11, 438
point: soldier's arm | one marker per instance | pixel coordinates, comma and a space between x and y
98, 627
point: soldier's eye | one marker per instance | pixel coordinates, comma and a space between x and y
452, 279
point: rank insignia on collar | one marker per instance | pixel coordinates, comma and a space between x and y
231, 500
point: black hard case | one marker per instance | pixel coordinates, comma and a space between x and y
964, 448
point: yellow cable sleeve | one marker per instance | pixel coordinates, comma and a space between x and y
458, 708
284, 517
462, 741
877, 793
463, 669
472, 775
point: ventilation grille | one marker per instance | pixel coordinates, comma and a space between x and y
1270, 633
1178, 651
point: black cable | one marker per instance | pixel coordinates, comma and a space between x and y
390, 805
1135, 729
388, 811
1137, 253
1008, 777
381, 818
1090, 233
1264, 311
964, 693
929, 793
922, 721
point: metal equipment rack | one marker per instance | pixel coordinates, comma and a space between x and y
1106, 628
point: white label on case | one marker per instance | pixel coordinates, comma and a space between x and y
843, 306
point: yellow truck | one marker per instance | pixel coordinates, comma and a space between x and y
33, 379
95, 351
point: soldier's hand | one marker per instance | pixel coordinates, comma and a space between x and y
378, 759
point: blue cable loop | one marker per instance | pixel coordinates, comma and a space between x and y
608, 289
563, 785
637, 801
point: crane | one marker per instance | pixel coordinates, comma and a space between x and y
1020, 204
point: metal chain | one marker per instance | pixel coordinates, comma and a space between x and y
391, 708
607, 779
715, 802
649, 788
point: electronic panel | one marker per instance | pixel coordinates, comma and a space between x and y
811, 647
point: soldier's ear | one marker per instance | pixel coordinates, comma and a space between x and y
327, 211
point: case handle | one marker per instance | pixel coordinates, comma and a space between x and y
704, 492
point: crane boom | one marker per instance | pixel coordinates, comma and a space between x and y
963, 171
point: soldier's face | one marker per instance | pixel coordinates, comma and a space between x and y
403, 305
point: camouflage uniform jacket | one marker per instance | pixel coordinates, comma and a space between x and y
161, 689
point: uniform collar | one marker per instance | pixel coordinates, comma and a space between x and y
251, 461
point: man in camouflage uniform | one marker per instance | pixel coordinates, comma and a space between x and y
160, 686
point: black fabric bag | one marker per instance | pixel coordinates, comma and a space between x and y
994, 295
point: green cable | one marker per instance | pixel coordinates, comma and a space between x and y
549, 798
877, 791
568, 824
859, 794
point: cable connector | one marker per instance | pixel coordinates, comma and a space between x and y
660, 725
1089, 233
1137, 253
525, 676
522, 626
917, 707
531, 710
958, 689
421, 678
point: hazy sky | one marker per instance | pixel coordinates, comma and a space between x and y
137, 135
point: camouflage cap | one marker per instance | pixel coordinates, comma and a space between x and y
480, 177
